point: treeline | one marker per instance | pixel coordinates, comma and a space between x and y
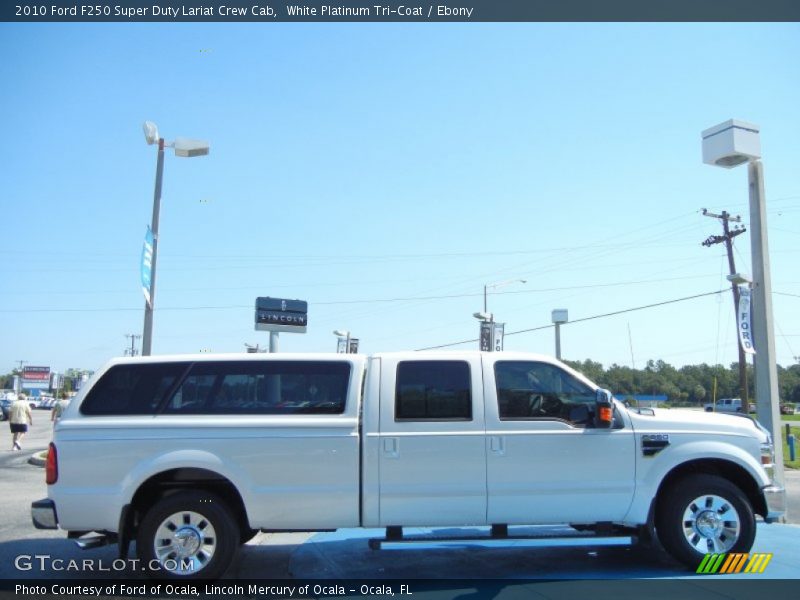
689, 385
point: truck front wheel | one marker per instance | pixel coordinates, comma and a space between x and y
188, 535
704, 514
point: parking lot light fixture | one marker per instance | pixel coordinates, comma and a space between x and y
499, 284
183, 147
728, 145
343, 334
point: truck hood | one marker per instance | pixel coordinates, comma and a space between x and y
681, 420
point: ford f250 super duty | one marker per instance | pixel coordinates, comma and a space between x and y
190, 456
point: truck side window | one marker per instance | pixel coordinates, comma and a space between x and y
429, 390
262, 388
132, 389
534, 390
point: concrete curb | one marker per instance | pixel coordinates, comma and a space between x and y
39, 459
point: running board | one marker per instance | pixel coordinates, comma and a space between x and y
96, 541
499, 535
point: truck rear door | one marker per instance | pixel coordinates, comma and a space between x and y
431, 442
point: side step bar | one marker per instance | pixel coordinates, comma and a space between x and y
500, 533
96, 541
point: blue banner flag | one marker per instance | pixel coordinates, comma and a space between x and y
147, 265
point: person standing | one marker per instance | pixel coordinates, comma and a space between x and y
19, 417
58, 410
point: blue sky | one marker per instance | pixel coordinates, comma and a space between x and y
351, 165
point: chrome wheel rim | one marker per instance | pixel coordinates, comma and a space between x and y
711, 524
185, 543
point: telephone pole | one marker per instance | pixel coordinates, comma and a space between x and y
727, 239
132, 351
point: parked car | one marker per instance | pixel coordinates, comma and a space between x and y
5, 406
733, 405
787, 409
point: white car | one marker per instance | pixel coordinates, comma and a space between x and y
731, 405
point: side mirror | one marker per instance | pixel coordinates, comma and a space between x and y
604, 410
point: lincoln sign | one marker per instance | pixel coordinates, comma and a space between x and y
277, 314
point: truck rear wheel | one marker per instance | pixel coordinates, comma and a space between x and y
188, 535
704, 514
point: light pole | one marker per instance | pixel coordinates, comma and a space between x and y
339, 333
559, 316
185, 148
728, 145
499, 284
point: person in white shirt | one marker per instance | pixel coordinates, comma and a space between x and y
19, 417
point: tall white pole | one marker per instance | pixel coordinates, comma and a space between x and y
558, 341
766, 373
147, 334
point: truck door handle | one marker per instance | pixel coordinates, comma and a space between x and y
390, 447
497, 444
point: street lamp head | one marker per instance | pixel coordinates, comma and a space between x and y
188, 148
483, 316
340, 333
731, 143
150, 132
739, 279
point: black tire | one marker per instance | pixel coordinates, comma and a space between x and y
704, 514
188, 535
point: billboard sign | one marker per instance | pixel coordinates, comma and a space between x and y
279, 314
36, 378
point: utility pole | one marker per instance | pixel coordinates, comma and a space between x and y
727, 239
132, 351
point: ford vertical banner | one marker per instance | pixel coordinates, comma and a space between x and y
497, 336
745, 328
147, 265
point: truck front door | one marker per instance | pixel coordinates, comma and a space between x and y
546, 463
431, 442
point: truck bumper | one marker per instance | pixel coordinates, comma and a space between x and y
775, 497
43, 514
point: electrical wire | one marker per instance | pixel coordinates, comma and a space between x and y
601, 316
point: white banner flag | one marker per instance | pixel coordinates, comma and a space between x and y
745, 328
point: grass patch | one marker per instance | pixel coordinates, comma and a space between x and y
790, 417
791, 464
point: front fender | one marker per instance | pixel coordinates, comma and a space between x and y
651, 471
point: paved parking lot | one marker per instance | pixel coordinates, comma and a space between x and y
345, 554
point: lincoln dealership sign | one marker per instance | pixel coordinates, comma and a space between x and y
278, 314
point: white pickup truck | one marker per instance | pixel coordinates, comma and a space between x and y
190, 456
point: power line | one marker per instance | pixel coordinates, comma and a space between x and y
610, 314
371, 300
